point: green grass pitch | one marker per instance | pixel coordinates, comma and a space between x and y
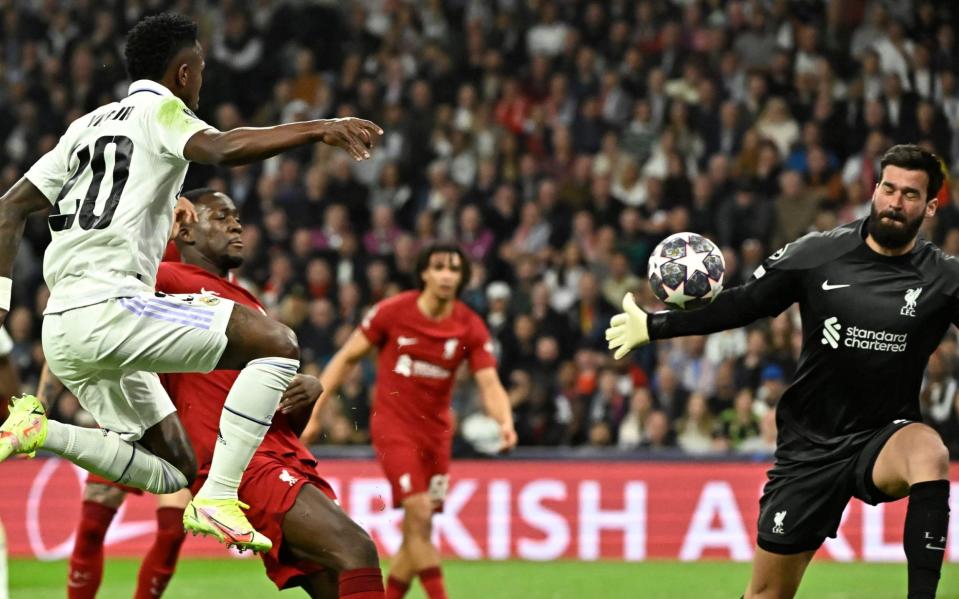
213, 578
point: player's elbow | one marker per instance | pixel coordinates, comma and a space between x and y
19, 202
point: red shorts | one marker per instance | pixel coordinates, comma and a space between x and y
413, 467
270, 486
99, 480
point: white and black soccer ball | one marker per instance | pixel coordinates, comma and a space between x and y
686, 271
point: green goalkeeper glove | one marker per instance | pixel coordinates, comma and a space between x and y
627, 329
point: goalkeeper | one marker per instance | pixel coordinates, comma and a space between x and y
875, 302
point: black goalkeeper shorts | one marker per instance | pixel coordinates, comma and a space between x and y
802, 503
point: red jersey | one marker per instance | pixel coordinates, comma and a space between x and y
418, 361
198, 397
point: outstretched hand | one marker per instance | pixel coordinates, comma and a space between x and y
356, 136
627, 329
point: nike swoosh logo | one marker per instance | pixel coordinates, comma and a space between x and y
826, 286
933, 547
233, 535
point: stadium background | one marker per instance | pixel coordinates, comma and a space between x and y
558, 141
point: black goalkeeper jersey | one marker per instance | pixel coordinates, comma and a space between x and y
869, 324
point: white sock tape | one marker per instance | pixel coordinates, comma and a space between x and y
6, 286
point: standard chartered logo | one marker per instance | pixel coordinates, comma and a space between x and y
860, 338
831, 331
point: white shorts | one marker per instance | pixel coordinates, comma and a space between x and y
107, 354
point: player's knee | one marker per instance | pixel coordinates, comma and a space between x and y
362, 549
417, 517
347, 544
933, 458
283, 343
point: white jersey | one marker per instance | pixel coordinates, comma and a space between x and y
113, 180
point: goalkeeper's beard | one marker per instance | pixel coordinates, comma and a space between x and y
890, 235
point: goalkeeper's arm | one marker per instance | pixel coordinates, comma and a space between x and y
766, 296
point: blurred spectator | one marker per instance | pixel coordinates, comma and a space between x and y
738, 423
632, 427
659, 434
695, 428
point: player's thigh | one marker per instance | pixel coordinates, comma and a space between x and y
155, 333
802, 504
414, 469
252, 335
777, 576
127, 403
317, 530
902, 457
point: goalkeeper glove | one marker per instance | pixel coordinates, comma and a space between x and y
627, 329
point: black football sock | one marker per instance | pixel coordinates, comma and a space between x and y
924, 536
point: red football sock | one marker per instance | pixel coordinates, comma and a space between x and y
396, 588
160, 561
86, 561
432, 581
361, 583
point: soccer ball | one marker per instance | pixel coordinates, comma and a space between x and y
686, 271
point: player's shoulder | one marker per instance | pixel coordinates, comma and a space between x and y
933, 258
387, 310
404, 300
818, 247
83, 122
462, 312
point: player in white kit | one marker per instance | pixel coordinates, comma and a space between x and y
111, 184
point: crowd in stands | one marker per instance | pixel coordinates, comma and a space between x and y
558, 141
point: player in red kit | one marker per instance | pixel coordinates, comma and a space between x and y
320, 549
422, 337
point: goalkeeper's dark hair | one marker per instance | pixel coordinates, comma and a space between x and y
423, 262
154, 41
914, 158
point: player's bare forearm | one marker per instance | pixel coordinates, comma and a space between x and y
252, 144
15, 206
332, 377
496, 403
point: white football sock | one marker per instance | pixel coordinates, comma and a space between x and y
104, 453
247, 415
